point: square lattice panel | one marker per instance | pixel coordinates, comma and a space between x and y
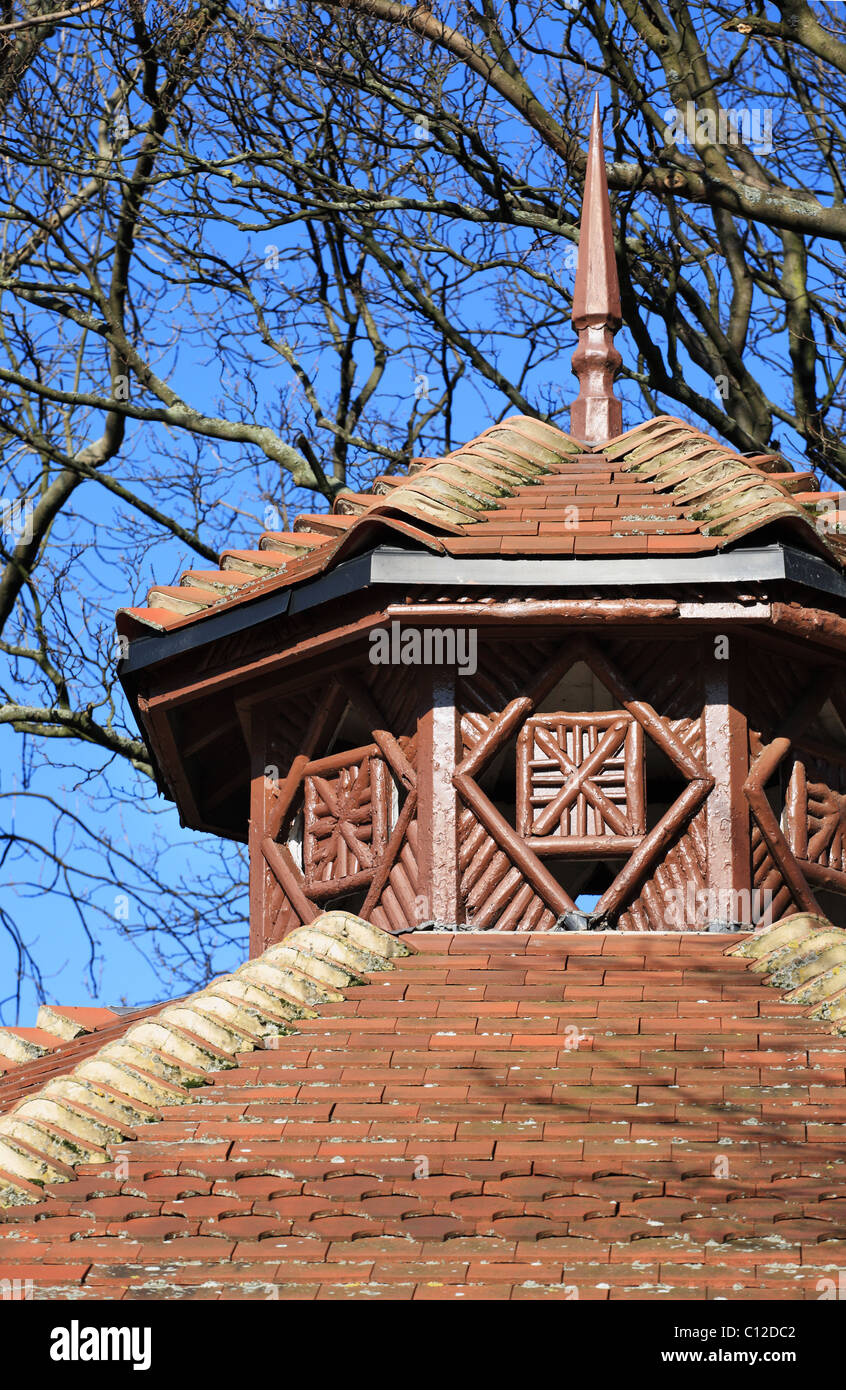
580, 782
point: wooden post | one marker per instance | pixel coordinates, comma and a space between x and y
261, 799
726, 740
438, 743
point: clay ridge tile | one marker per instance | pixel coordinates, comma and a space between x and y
160, 1059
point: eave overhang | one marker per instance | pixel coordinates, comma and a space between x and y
392, 567
388, 580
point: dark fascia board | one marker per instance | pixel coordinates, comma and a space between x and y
394, 567
767, 563
149, 651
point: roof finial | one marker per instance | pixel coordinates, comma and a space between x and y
596, 415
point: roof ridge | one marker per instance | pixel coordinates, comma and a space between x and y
803, 955
47, 1134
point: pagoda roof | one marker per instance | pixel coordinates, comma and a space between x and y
525, 489
447, 1116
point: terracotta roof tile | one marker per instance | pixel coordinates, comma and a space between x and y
561, 543
257, 562
440, 1132
321, 523
225, 580
157, 619
181, 598
681, 545
57, 1024
664, 479
291, 542
63, 1051
609, 545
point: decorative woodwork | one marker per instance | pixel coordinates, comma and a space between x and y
814, 819
346, 812
580, 782
520, 851
505, 798
416, 824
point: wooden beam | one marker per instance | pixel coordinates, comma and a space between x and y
814, 624
498, 734
824, 876
167, 755
260, 798
324, 720
654, 844
392, 850
606, 846
281, 863
764, 767
335, 887
388, 745
536, 873
534, 612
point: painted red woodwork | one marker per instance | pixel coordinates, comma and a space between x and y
815, 814
580, 779
345, 817
410, 827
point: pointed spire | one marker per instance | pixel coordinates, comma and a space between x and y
596, 415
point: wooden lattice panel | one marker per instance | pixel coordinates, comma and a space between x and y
768, 885
669, 899
492, 890
804, 851
580, 789
814, 818
283, 916
672, 687
398, 907
580, 782
395, 903
345, 816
